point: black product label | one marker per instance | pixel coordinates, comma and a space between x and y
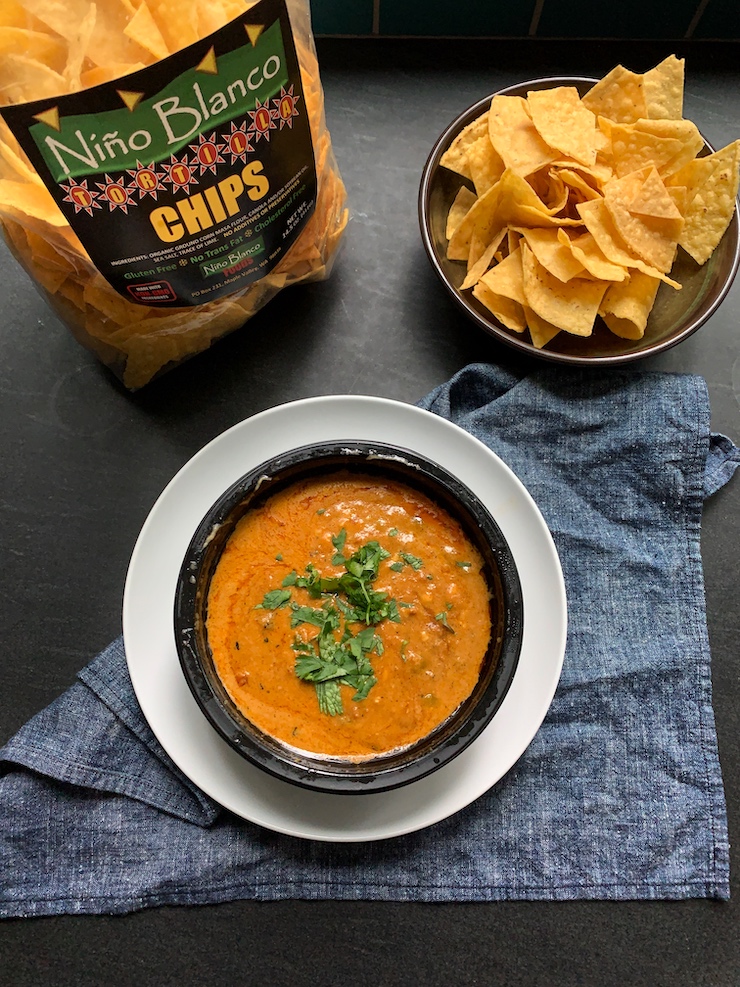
190, 179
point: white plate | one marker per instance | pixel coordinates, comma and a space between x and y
173, 714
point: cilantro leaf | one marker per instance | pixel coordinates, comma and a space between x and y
274, 600
411, 560
442, 618
313, 668
330, 659
363, 686
338, 543
325, 618
330, 698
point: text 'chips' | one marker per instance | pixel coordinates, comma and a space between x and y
54, 47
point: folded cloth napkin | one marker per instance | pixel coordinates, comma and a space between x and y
618, 796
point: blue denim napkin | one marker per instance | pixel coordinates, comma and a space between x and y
619, 795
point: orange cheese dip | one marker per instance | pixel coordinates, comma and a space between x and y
431, 658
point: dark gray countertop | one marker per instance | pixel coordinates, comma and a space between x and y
84, 461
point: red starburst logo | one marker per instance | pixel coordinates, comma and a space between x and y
207, 153
238, 142
115, 194
81, 197
180, 174
285, 105
263, 119
146, 180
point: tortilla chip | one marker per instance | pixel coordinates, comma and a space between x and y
662, 88
108, 42
477, 248
99, 74
618, 96
32, 201
519, 205
653, 199
35, 45
625, 307
484, 163
515, 137
577, 183
551, 190
79, 47
540, 331
691, 177
652, 240
459, 208
143, 29
711, 209
455, 158
686, 132
634, 148
552, 253
572, 306
509, 312
23, 79
599, 223
506, 278
477, 269
588, 254
563, 122
177, 30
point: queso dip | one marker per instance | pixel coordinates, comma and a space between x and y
348, 615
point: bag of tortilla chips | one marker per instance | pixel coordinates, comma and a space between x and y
165, 168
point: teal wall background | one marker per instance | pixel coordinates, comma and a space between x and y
638, 19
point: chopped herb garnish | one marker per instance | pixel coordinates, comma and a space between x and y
393, 532
279, 557
321, 510
464, 565
274, 600
337, 655
396, 566
338, 543
325, 660
442, 618
411, 560
329, 697
326, 618
314, 582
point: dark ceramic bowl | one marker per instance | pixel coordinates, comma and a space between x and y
675, 315
338, 775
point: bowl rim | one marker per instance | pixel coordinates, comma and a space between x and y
316, 773
489, 324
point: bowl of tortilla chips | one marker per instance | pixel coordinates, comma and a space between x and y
583, 221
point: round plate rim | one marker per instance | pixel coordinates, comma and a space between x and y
179, 725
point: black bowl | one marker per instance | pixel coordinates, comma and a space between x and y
335, 774
675, 315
